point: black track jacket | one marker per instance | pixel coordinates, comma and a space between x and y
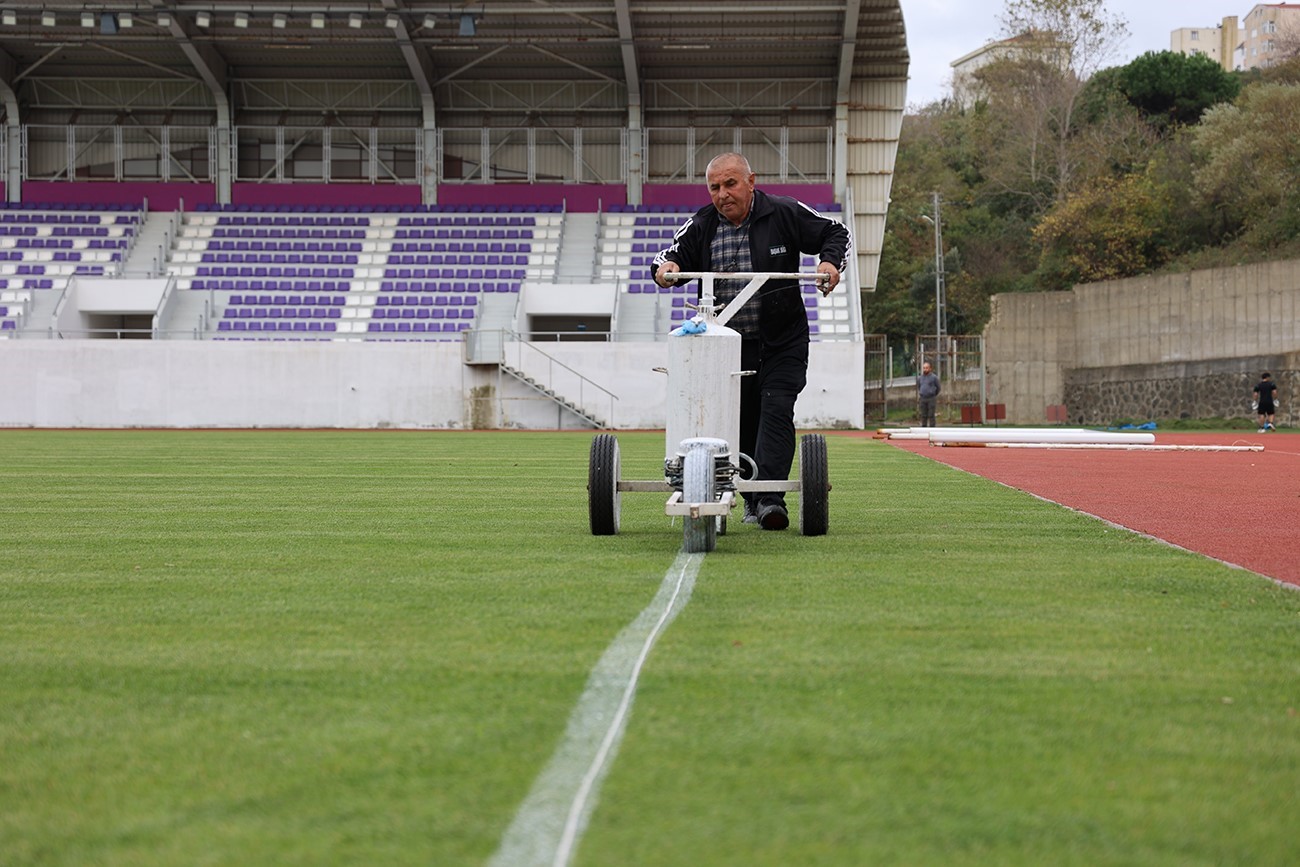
781, 228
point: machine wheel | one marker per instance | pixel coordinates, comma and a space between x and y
602, 486
814, 486
699, 535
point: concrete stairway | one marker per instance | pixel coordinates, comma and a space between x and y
577, 256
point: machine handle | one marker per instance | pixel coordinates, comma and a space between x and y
814, 276
756, 280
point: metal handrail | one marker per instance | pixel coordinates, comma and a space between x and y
552, 362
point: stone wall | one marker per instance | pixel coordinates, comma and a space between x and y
1218, 388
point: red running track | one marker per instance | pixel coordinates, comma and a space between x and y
1239, 507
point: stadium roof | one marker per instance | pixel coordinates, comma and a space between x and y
486, 56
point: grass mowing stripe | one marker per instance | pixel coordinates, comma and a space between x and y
369, 657
547, 828
315, 671
961, 674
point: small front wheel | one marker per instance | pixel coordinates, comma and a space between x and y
699, 535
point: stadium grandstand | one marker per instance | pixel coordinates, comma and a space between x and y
375, 214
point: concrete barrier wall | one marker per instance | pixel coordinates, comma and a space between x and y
1090, 346
195, 384
1029, 343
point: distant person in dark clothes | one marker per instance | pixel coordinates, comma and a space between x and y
927, 394
1265, 401
748, 231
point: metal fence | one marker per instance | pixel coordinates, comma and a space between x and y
876, 376
340, 153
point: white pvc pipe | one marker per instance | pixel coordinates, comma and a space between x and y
1040, 436
922, 433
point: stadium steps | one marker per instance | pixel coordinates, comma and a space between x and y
189, 315
559, 399
153, 241
639, 318
577, 256
39, 316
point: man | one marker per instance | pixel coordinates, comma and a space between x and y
927, 394
747, 230
1265, 401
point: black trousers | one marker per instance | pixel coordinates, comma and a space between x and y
767, 409
927, 405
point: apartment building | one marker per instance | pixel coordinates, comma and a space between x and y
966, 86
1218, 43
1270, 33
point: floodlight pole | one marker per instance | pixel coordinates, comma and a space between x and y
938, 288
939, 304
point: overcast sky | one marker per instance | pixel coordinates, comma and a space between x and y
940, 31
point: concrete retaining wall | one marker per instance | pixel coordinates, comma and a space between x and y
188, 384
1168, 346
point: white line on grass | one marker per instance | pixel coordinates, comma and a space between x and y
551, 819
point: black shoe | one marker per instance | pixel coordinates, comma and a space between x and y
773, 517
751, 512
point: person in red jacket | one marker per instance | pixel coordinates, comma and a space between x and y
747, 230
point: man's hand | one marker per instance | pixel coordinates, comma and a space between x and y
832, 277
664, 270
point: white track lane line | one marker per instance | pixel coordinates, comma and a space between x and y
550, 821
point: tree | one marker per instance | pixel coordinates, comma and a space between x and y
1194, 224
1083, 35
1172, 89
889, 310
1249, 155
1113, 228
1036, 91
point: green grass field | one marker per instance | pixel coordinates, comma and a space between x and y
281, 648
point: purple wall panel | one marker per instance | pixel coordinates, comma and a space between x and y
161, 196
697, 195
326, 195
580, 198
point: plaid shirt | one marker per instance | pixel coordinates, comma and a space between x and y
730, 252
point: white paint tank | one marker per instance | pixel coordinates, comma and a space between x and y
703, 388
